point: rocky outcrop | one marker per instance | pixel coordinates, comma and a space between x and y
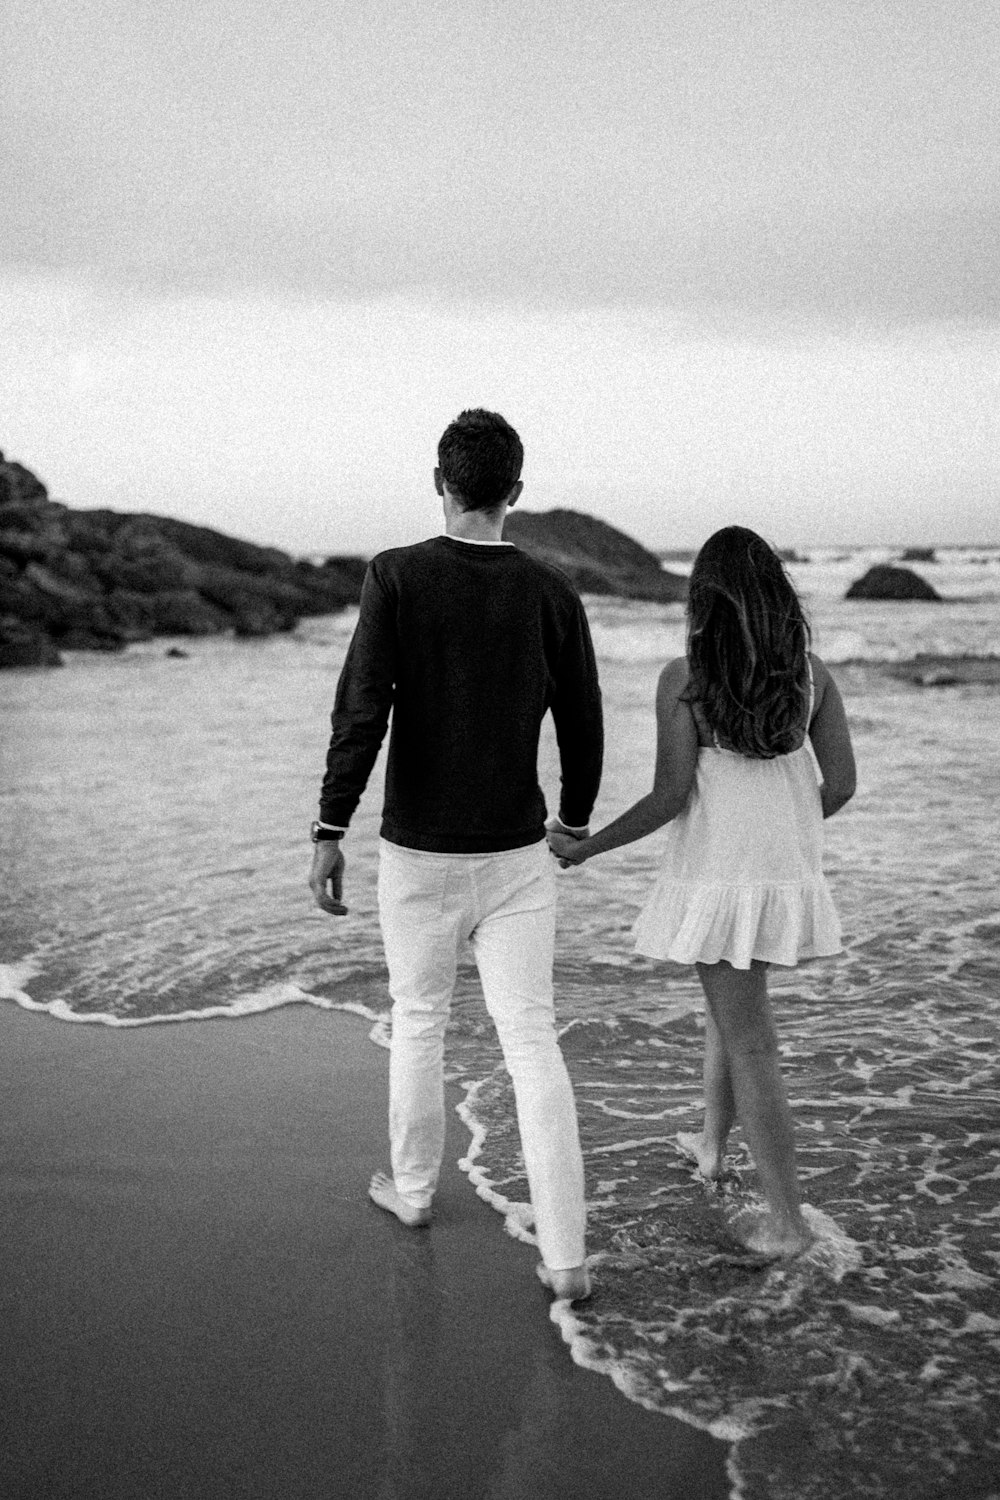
99, 579
23, 645
946, 671
598, 558
887, 582
918, 554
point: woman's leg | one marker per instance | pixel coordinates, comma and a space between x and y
709, 1148
737, 999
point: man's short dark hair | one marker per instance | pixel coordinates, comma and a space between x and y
480, 457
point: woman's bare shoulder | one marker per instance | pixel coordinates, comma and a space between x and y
823, 684
821, 674
674, 677
671, 696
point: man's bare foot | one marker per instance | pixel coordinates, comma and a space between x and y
707, 1160
572, 1285
766, 1235
382, 1190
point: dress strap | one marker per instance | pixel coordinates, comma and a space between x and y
812, 691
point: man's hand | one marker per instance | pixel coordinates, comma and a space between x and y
328, 869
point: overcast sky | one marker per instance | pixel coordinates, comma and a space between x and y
716, 261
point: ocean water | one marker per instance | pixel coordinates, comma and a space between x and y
152, 834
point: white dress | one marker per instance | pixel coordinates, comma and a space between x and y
742, 874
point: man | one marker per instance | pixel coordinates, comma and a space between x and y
469, 642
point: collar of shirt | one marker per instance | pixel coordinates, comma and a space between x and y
475, 541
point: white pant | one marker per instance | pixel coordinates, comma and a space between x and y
429, 904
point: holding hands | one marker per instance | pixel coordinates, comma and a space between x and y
566, 846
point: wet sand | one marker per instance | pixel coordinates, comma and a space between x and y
198, 1299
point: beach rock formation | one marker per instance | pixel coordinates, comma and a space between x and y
598, 558
946, 671
98, 579
887, 582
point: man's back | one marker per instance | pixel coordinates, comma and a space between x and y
470, 644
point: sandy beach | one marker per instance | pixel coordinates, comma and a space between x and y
199, 1300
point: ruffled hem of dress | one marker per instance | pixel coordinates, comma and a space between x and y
688, 923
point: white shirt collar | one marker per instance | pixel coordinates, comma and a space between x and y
475, 541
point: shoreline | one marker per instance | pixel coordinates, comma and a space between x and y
201, 1299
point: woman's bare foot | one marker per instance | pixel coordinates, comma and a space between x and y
572, 1285
707, 1160
765, 1234
382, 1190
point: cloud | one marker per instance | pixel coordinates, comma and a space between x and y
774, 156
313, 425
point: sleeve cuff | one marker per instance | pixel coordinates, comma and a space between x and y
572, 827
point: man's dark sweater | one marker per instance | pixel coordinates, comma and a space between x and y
469, 646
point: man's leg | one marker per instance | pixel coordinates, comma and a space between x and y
420, 937
513, 944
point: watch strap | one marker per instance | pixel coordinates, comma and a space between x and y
322, 835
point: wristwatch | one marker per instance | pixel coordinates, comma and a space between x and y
321, 835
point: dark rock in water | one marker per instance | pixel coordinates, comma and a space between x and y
79, 638
26, 645
598, 558
343, 573
18, 483
919, 554
946, 671
186, 612
887, 582
96, 580
176, 653
99, 579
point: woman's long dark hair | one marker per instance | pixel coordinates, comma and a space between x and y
747, 642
